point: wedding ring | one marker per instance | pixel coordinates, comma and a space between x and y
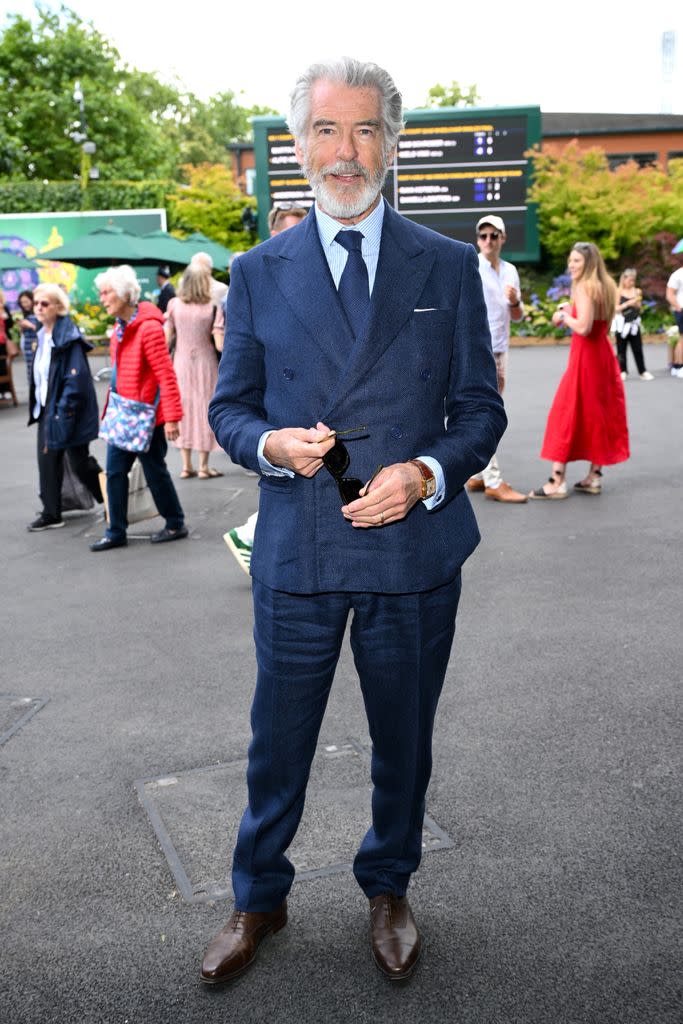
381, 519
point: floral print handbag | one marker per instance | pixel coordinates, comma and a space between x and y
128, 424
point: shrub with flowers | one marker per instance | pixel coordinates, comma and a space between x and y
541, 300
91, 318
539, 310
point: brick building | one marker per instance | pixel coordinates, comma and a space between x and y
645, 138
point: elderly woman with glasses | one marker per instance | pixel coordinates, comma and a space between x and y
62, 402
587, 419
144, 373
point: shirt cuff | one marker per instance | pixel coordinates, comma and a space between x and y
440, 493
266, 468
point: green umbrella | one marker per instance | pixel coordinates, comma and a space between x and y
165, 248
220, 255
15, 261
103, 247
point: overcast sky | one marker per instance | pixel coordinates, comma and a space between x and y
585, 56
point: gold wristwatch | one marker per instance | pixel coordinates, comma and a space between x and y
428, 479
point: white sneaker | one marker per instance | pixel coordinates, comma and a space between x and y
674, 371
624, 375
240, 550
646, 375
677, 373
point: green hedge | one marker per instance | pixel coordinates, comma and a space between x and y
38, 196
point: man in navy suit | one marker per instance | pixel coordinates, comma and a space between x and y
355, 318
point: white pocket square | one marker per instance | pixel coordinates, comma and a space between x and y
426, 309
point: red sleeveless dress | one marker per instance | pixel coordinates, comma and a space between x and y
587, 419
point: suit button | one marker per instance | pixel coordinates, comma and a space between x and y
288, 374
425, 374
396, 432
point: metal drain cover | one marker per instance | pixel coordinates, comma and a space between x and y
196, 815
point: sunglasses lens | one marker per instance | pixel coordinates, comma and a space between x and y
337, 459
349, 488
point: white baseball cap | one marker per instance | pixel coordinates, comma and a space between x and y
496, 222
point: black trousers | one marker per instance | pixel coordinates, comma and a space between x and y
636, 343
51, 472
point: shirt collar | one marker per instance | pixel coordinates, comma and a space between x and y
483, 262
121, 325
370, 227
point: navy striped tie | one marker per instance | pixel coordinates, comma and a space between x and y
354, 287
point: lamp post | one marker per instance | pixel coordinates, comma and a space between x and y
80, 137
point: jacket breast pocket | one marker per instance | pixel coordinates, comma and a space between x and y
425, 319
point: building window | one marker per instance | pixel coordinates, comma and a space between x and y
642, 159
676, 154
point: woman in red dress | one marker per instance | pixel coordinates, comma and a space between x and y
587, 419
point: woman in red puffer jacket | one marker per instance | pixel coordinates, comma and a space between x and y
143, 372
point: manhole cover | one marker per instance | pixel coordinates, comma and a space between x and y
196, 815
15, 713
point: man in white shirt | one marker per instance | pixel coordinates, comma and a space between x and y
503, 303
674, 296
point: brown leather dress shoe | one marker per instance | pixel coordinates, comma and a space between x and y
234, 949
395, 939
474, 484
505, 493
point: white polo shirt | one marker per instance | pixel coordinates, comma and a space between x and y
497, 305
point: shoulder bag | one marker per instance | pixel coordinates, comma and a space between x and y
128, 424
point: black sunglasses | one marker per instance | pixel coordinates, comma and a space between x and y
336, 461
493, 235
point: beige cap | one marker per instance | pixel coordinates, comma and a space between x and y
496, 222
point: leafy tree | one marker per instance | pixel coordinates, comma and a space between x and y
579, 197
141, 126
210, 202
208, 128
453, 95
39, 65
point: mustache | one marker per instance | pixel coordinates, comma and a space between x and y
347, 167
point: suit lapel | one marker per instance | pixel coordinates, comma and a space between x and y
303, 276
402, 271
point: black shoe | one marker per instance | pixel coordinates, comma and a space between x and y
109, 542
44, 522
163, 535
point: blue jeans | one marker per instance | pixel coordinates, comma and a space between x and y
401, 645
119, 463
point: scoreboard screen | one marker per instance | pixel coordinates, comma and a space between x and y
452, 166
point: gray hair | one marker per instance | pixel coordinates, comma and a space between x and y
123, 281
202, 259
57, 294
357, 75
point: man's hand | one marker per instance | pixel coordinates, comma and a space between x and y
390, 498
512, 295
172, 431
299, 449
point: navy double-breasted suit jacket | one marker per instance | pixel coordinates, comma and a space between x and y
421, 378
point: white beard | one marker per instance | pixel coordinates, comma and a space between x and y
333, 200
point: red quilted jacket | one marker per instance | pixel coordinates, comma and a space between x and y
143, 364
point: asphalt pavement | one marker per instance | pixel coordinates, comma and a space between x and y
550, 886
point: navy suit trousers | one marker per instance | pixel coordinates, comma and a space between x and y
401, 645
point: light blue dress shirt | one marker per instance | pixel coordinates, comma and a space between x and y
336, 256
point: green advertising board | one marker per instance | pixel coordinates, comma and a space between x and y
33, 234
452, 165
